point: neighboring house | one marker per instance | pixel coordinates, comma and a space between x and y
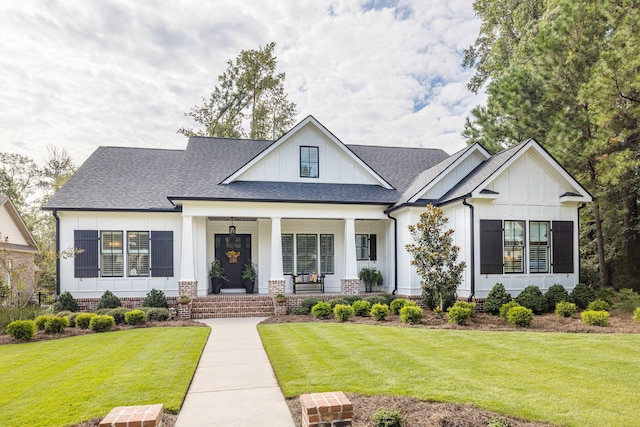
18, 248
307, 203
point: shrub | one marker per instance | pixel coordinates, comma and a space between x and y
22, 329
582, 295
351, 298
411, 314
83, 320
41, 321
431, 300
555, 294
599, 305
460, 313
101, 323
376, 299
386, 418
520, 316
565, 309
299, 310
155, 298
506, 307
109, 300
66, 302
336, 301
497, 296
532, 298
361, 308
64, 313
135, 317
321, 310
158, 314
72, 319
387, 297
379, 311
606, 293
595, 318
636, 314
103, 311
56, 325
343, 312
627, 300
117, 314
396, 305
470, 305
8, 314
498, 422
308, 303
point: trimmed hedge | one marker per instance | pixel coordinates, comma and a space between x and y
520, 316
595, 318
566, 309
582, 295
532, 298
361, 308
321, 310
460, 313
555, 294
117, 314
497, 297
22, 329
599, 305
56, 325
343, 312
83, 320
396, 305
135, 317
158, 314
101, 323
411, 314
506, 307
379, 311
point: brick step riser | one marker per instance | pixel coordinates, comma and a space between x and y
226, 307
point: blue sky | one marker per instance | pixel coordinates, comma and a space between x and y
81, 74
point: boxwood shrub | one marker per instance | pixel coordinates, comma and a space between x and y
307, 304
599, 305
158, 314
56, 325
520, 316
582, 295
595, 318
22, 329
299, 310
376, 299
566, 309
555, 294
322, 310
386, 418
497, 296
396, 305
351, 298
636, 314
460, 313
155, 298
379, 311
83, 320
135, 317
72, 319
101, 323
532, 298
361, 308
66, 302
109, 300
335, 301
41, 321
117, 314
506, 307
411, 314
343, 312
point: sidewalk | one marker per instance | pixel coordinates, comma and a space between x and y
234, 384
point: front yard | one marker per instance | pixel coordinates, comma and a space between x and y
570, 379
68, 381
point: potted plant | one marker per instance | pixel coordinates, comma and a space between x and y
280, 298
184, 299
370, 276
249, 276
216, 275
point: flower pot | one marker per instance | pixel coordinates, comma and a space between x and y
249, 285
184, 300
216, 285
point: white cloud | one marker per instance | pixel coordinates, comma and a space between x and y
80, 74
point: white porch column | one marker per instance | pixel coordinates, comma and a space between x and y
187, 271
276, 277
350, 285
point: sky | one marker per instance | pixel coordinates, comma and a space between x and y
77, 74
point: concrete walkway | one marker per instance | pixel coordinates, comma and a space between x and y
234, 384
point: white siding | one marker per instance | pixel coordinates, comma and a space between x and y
9, 229
447, 182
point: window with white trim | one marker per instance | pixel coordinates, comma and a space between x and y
539, 246
309, 162
138, 253
514, 246
111, 254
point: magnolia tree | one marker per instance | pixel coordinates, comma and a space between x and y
434, 254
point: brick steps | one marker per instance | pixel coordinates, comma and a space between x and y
223, 306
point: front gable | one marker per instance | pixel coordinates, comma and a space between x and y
307, 143
13, 228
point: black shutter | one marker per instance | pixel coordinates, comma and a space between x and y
491, 260
562, 244
86, 263
373, 247
162, 254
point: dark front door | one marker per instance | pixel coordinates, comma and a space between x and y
233, 253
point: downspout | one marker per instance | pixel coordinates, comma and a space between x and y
473, 256
55, 215
395, 253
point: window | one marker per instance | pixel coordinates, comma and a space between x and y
287, 253
138, 253
538, 247
111, 251
513, 246
326, 254
309, 160
307, 253
366, 247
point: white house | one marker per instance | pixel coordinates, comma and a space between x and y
308, 203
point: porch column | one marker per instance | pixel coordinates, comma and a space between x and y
350, 285
187, 285
276, 280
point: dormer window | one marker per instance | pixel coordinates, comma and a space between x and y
309, 161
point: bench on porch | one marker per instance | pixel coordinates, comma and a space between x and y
310, 282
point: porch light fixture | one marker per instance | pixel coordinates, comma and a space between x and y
232, 229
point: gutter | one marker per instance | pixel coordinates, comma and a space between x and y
55, 215
395, 253
473, 256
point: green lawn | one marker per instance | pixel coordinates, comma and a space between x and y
567, 379
70, 380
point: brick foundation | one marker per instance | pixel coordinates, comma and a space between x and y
350, 286
331, 409
134, 416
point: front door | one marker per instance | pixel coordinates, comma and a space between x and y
233, 252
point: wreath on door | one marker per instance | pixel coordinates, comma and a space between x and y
233, 256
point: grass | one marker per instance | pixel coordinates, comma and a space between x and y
566, 379
71, 380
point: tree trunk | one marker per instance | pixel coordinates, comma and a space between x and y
604, 272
